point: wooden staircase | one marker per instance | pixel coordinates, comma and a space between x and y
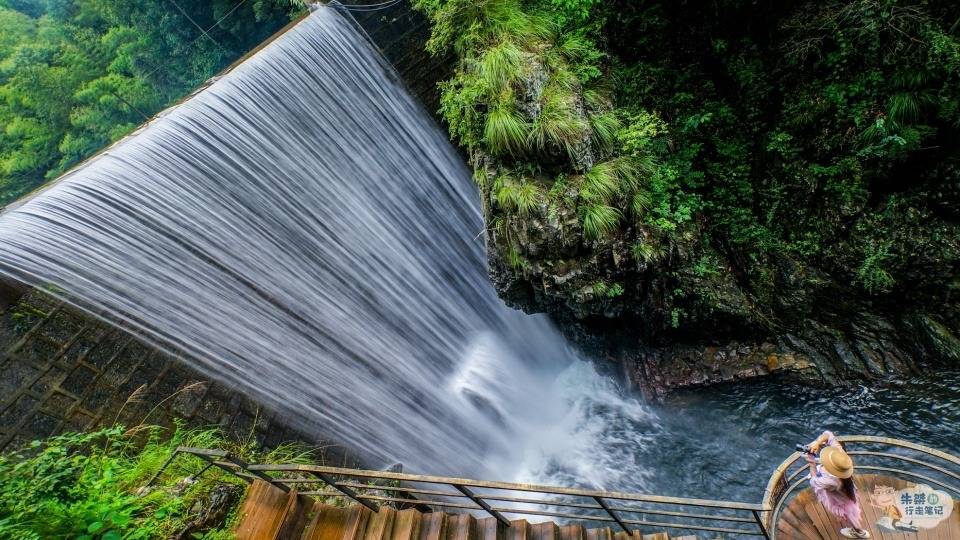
806, 519
270, 514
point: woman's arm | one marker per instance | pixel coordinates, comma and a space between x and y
820, 441
812, 462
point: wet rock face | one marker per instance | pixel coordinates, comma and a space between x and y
675, 325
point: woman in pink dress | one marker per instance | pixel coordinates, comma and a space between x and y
831, 477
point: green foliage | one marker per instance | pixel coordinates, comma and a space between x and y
505, 131
647, 252
575, 12
775, 131
605, 126
501, 66
77, 75
615, 290
558, 125
872, 274
599, 220
610, 291
516, 197
84, 485
705, 266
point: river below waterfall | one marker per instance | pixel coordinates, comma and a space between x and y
724, 441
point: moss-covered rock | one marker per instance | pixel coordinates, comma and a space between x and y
715, 194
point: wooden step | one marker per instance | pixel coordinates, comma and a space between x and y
433, 526
335, 523
295, 516
572, 532
519, 530
799, 527
357, 524
599, 533
406, 525
269, 513
461, 527
822, 520
328, 523
490, 529
380, 524
547, 530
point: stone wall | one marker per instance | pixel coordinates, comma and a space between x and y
401, 33
63, 370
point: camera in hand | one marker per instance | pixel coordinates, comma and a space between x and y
804, 448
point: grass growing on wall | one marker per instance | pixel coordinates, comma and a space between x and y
85, 486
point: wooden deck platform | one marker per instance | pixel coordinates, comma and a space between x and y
805, 519
270, 514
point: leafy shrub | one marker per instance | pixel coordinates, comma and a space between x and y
599, 220
84, 486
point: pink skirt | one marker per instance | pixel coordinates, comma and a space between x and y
827, 488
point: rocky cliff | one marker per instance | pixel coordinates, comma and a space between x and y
709, 195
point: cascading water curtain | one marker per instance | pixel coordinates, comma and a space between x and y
303, 230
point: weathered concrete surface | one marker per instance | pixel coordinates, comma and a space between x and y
64, 371
10, 292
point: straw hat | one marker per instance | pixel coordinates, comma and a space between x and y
836, 462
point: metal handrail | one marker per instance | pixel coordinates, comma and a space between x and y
465, 494
784, 484
592, 505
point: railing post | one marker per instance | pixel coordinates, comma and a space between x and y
763, 528
482, 503
169, 460
262, 476
603, 504
351, 494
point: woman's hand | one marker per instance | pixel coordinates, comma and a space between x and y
810, 459
819, 442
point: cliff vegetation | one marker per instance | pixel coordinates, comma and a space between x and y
722, 190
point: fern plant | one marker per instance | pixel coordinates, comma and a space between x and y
505, 131
647, 252
605, 127
501, 66
516, 197
558, 123
599, 220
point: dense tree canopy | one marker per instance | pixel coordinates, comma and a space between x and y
76, 75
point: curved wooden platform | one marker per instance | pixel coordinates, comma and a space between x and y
805, 519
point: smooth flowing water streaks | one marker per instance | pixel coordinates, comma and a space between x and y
302, 229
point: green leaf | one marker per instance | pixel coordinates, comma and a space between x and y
94, 527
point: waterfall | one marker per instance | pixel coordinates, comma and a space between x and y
303, 230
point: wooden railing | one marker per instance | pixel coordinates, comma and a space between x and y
627, 510
498, 499
891, 457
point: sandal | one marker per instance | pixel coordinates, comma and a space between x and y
850, 532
